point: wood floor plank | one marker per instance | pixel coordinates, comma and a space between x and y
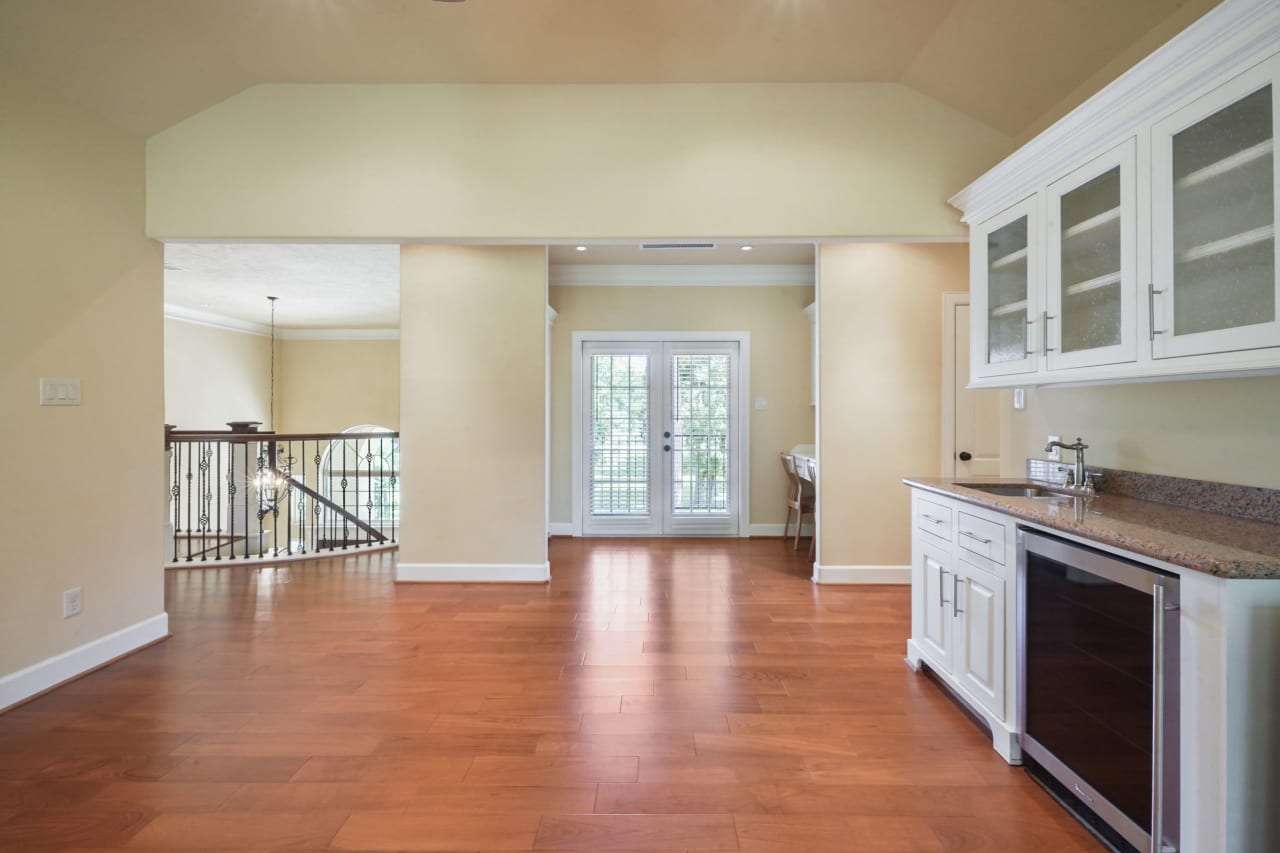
715, 700
381, 831
637, 832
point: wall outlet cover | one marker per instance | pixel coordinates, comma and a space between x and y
72, 603
1056, 453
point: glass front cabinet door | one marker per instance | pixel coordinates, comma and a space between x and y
1090, 275
1004, 268
1214, 215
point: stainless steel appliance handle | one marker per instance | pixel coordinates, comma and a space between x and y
1157, 719
956, 580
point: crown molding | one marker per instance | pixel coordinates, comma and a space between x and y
681, 275
231, 324
338, 334
1229, 38
216, 321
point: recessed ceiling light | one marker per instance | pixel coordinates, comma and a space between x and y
747, 248
580, 248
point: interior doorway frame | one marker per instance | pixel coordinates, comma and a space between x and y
741, 488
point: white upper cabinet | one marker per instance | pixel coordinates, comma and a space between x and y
1005, 260
1136, 238
1091, 273
1215, 287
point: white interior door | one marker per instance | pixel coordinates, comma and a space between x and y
976, 433
660, 438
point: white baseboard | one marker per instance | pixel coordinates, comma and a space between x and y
53, 671
473, 572
806, 530
560, 528
861, 574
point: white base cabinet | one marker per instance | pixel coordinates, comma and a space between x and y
961, 621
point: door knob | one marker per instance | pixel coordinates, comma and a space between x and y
666, 435
666, 447
965, 456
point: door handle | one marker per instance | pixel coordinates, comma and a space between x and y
1151, 313
965, 456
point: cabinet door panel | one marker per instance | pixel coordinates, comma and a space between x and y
979, 649
1005, 266
1091, 269
1214, 216
935, 639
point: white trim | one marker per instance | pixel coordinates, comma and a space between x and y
473, 572
774, 530
950, 302
861, 574
338, 334
231, 324
743, 339
51, 672
1230, 38
216, 321
560, 528
681, 275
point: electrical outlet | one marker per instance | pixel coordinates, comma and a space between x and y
72, 603
1056, 453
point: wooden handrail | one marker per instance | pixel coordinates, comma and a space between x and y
173, 435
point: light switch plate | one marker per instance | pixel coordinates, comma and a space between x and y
762, 404
1019, 398
59, 392
72, 603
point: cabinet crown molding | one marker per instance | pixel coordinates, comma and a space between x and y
1229, 38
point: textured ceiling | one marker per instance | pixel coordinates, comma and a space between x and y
147, 64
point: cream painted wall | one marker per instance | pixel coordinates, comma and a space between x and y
472, 418
1227, 430
83, 298
214, 375
880, 367
328, 386
780, 368
499, 162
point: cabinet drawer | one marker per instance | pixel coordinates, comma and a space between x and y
980, 536
934, 518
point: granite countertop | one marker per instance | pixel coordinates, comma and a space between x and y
1220, 545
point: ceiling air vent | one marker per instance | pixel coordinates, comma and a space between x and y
677, 245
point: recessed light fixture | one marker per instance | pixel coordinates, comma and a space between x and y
580, 248
747, 248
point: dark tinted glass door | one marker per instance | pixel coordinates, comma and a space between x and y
1088, 679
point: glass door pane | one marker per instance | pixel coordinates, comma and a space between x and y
619, 491
700, 399
1007, 286
1092, 264
1224, 219
1214, 203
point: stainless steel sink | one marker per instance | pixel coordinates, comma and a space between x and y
1014, 490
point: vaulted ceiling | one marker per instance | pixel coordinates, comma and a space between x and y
147, 64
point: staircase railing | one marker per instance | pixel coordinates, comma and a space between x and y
243, 494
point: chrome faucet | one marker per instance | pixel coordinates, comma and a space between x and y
1079, 480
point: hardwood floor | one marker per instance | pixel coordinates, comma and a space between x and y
656, 696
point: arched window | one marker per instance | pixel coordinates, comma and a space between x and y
361, 473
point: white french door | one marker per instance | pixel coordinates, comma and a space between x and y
660, 438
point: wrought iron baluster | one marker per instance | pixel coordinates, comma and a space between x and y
203, 479
345, 527
368, 498
395, 488
188, 479
315, 505
175, 494
217, 537
262, 536
246, 499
